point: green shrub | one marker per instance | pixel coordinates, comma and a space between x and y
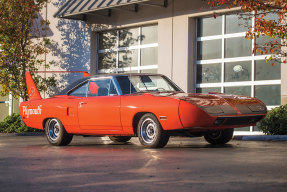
13, 124
275, 123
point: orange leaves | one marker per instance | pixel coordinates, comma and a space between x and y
214, 3
270, 18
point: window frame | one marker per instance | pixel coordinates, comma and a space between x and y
78, 86
253, 58
112, 80
138, 46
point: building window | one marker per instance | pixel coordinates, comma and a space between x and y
226, 62
128, 50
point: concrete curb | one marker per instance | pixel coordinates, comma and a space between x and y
22, 134
261, 138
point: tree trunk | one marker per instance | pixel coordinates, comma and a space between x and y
25, 92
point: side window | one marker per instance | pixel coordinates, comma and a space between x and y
126, 86
80, 91
101, 87
113, 90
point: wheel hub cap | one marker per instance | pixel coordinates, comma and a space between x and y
148, 130
53, 129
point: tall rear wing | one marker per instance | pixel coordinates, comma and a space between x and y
33, 92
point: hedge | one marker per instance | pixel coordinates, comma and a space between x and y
275, 123
13, 124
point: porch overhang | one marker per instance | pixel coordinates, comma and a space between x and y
79, 9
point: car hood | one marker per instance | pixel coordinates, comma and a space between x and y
216, 103
210, 99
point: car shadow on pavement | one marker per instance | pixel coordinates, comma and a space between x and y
201, 146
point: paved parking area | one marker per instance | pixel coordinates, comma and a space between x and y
185, 164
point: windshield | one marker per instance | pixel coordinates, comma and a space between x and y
145, 83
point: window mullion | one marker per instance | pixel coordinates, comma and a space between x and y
117, 50
139, 48
253, 65
253, 62
222, 53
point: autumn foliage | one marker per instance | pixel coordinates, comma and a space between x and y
270, 20
22, 44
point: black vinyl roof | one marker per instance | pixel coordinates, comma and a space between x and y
82, 80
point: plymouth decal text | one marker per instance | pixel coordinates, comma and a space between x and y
35, 111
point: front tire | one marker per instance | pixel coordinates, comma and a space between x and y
150, 132
56, 133
219, 137
121, 139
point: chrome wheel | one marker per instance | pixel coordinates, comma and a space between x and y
148, 130
53, 129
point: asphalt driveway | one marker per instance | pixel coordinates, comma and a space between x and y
185, 164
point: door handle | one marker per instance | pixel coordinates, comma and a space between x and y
81, 103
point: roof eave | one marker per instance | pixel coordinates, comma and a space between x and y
62, 13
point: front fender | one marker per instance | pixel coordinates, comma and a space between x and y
192, 116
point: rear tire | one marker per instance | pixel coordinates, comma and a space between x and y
120, 138
150, 132
219, 137
56, 133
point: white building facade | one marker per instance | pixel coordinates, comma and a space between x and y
178, 38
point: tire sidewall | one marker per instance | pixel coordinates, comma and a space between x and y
157, 142
121, 139
224, 136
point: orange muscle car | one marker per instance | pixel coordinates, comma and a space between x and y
149, 106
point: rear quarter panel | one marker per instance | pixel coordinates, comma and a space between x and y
64, 109
32, 113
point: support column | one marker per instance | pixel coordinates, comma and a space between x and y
183, 52
94, 55
165, 47
192, 45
